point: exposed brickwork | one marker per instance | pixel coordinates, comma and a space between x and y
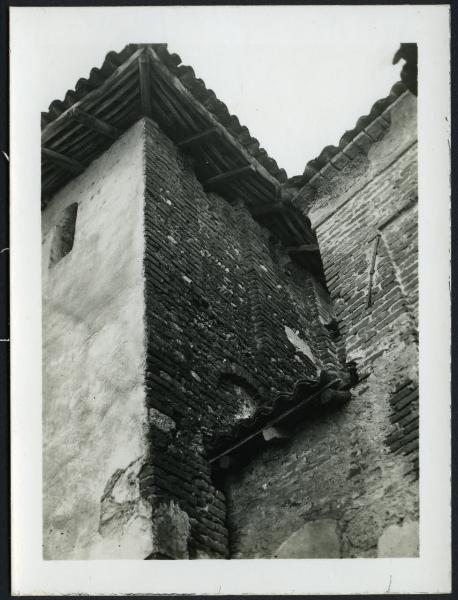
230, 322
347, 244
356, 467
404, 415
336, 466
219, 294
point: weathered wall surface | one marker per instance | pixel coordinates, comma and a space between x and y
93, 364
219, 295
174, 315
346, 485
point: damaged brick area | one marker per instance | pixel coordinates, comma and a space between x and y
361, 469
253, 324
242, 313
221, 295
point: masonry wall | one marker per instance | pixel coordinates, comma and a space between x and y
219, 295
170, 316
94, 411
174, 315
346, 484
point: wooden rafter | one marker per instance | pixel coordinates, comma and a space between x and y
69, 164
174, 102
94, 123
198, 138
145, 84
227, 176
287, 214
296, 229
210, 118
58, 124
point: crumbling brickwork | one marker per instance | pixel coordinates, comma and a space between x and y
369, 244
200, 340
347, 476
219, 295
229, 322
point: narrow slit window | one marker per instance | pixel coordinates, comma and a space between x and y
64, 235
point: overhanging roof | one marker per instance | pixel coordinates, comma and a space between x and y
146, 80
368, 127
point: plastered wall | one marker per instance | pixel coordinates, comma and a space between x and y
173, 315
94, 411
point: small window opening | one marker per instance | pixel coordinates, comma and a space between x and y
64, 235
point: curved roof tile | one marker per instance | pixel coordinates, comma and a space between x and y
315, 165
188, 77
222, 439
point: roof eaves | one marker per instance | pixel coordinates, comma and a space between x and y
367, 130
330, 387
188, 78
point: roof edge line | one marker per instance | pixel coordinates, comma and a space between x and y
53, 126
252, 160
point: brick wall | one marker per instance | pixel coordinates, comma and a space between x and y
230, 323
219, 293
369, 244
346, 483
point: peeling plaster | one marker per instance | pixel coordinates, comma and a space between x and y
94, 413
299, 343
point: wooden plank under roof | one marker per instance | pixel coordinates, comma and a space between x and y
56, 126
211, 119
147, 84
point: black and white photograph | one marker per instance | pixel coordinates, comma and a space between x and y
233, 335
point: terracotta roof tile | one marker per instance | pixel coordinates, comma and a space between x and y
366, 131
188, 77
330, 386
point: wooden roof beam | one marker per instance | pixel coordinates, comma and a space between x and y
227, 176
294, 220
69, 164
145, 84
56, 125
91, 122
198, 138
295, 227
210, 118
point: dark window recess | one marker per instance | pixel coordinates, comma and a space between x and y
64, 235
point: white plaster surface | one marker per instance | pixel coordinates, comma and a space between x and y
300, 345
93, 358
